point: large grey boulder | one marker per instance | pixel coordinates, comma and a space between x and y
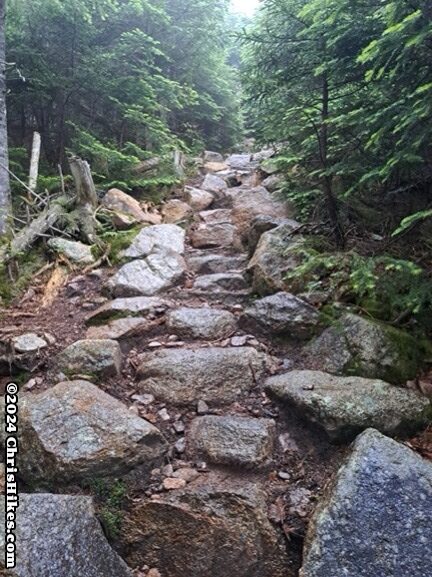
198, 199
274, 258
210, 156
232, 440
60, 536
261, 224
159, 238
129, 307
376, 519
201, 323
215, 185
75, 431
176, 211
214, 375
76, 252
204, 263
273, 182
358, 346
282, 314
158, 272
346, 406
127, 210
101, 358
252, 202
210, 531
213, 235
241, 162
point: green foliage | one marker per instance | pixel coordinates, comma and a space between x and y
411, 220
347, 88
119, 81
388, 289
118, 241
26, 266
111, 496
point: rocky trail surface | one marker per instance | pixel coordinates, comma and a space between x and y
205, 414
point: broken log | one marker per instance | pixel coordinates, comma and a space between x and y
87, 199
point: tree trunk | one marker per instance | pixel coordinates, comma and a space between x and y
34, 162
87, 199
331, 201
5, 198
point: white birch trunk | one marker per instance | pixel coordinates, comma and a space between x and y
34, 162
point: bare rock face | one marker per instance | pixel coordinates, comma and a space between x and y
159, 238
346, 406
241, 162
274, 258
213, 235
358, 346
75, 431
207, 532
198, 199
232, 440
214, 375
216, 216
60, 536
100, 358
160, 271
376, 519
201, 323
176, 211
127, 210
282, 314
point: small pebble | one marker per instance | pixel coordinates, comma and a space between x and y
146, 399
180, 446
153, 573
202, 408
171, 484
187, 475
179, 427
202, 467
154, 345
239, 341
284, 475
164, 415
175, 344
173, 338
168, 470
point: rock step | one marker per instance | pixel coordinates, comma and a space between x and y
203, 264
221, 282
201, 323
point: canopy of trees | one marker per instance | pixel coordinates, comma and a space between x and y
347, 86
118, 81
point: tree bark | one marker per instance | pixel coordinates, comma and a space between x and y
331, 201
5, 197
34, 162
87, 199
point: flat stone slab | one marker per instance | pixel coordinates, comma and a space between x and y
232, 440
217, 216
158, 272
129, 307
214, 375
216, 263
175, 211
283, 314
221, 282
101, 358
28, 343
75, 431
60, 536
376, 519
118, 329
346, 406
209, 531
161, 237
201, 323
75, 251
213, 235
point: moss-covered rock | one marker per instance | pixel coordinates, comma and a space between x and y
358, 346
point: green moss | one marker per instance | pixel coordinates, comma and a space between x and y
118, 242
110, 496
